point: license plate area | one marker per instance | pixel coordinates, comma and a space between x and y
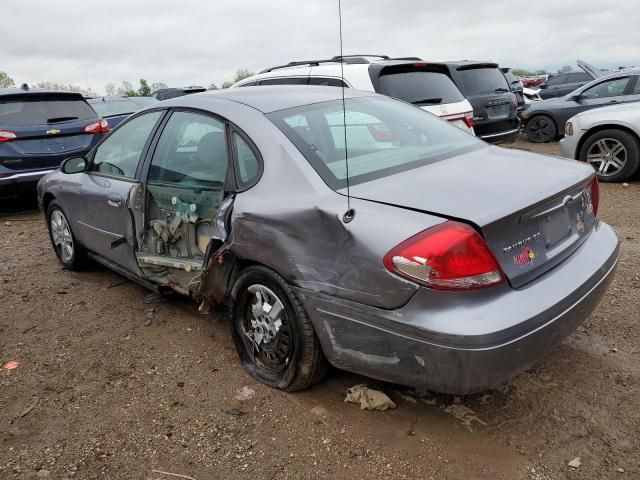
556, 227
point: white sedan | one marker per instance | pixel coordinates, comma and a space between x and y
608, 138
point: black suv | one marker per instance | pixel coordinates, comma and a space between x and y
167, 93
494, 103
38, 129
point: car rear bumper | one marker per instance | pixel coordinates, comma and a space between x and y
466, 342
499, 137
11, 181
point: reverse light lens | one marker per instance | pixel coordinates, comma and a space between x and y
7, 136
568, 129
449, 256
595, 195
98, 127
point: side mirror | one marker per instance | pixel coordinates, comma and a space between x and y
73, 165
576, 98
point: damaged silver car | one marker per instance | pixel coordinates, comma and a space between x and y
367, 234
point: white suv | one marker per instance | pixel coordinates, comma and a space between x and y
426, 85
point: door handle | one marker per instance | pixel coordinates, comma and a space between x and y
613, 101
114, 200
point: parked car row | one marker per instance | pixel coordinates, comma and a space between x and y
474, 96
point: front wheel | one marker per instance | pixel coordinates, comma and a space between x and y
274, 337
541, 129
614, 154
69, 252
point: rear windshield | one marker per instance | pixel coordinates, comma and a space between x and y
116, 107
420, 87
383, 137
481, 81
43, 109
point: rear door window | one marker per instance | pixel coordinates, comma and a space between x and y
43, 109
555, 81
285, 81
420, 87
329, 82
483, 81
578, 77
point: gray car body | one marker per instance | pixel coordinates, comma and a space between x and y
563, 108
369, 320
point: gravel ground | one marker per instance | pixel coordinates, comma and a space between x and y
112, 386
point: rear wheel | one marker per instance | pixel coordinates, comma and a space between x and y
614, 154
541, 129
68, 251
272, 332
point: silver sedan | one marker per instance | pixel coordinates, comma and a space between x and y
608, 138
364, 233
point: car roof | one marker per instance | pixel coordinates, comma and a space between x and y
272, 98
107, 99
36, 91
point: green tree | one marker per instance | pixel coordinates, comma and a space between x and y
5, 80
110, 89
87, 92
240, 75
145, 89
126, 89
520, 72
157, 86
212, 86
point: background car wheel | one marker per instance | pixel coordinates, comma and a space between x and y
614, 154
273, 334
69, 252
541, 129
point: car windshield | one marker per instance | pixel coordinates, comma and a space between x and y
43, 109
110, 108
383, 137
420, 87
485, 80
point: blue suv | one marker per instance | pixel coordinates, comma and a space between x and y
38, 129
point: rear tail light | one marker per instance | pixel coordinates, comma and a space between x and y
468, 119
7, 136
595, 195
98, 127
449, 256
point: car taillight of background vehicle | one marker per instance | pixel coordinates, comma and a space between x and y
449, 256
99, 127
468, 119
7, 136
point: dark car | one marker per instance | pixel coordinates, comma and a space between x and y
115, 109
38, 129
494, 104
544, 121
564, 83
516, 86
167, 93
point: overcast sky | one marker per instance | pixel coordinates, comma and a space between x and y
191, 42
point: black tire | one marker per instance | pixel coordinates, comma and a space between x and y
77, 259
631, 154
541, 129
303, 364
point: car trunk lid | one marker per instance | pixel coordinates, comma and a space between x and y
533, 211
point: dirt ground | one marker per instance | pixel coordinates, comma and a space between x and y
111, 386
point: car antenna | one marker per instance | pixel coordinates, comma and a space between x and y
350, 213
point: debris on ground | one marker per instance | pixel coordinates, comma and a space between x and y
368, 398
10, 365
245, 393
177, 475
575, 463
